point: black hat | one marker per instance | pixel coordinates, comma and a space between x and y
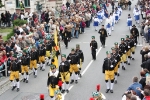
133, 26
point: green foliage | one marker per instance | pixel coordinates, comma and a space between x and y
1, 5
19, 22
10, 34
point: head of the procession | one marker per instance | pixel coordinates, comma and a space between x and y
122, 40
93, 38
102, 26
108, 53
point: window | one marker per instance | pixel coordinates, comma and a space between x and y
27, 3
17, 3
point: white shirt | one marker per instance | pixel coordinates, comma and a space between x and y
108, 20
20, 29
22, 17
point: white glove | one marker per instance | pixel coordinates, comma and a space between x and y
91, 46
111, 66
19, 60
128, 46
96, 49
69, 60
9, 72
134, 43
62, 64
125, 51
78, 65
67, 38
19, 73
115, 60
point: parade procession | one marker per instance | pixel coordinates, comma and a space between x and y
79, 50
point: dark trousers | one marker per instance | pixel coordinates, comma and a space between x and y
66, 42
102, 40
94, 54
82, 29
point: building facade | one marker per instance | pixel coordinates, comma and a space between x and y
30, 5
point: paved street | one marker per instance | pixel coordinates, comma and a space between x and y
92, 70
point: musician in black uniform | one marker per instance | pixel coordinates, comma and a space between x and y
133, 44
48, 46
65, 74
74, 60
52, 82
34, 59
66, 37
108, 70
103, 35
41, 55
123, 48
81, 56
116, 56
134, 31
118, 51
14, 72
128, 53
24, 66
94, 47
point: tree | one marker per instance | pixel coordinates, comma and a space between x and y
1, 5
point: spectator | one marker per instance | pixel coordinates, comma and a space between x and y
143, 78
135, 85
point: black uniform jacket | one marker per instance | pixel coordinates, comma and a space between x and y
74, 58
65, 67
80, 54
109, 64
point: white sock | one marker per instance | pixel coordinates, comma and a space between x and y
14, 83
121, 64
49, 61
52, 98
118, 70
124, 64
116, 77
24, 76
128, 60
132, 55
35, 72
111, 86
76, 76
72, 76
27, 77
107, 85
63, 86
18, 84
112, 28
67, 86
43, 66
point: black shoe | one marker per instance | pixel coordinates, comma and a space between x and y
115, 81
67, 91
35, 76
128, 63
40, 68
103, 46
123, 68
33, 73
80, 75
13, 88
47, 63
18, 89
76, 81
72, 81
26, 81
132, 58
111, 91
63, 91
118, 74
107, 90
43, 69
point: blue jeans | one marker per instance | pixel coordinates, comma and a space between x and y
72, 32
146, 36
77, 33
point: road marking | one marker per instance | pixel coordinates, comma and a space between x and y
87, 67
